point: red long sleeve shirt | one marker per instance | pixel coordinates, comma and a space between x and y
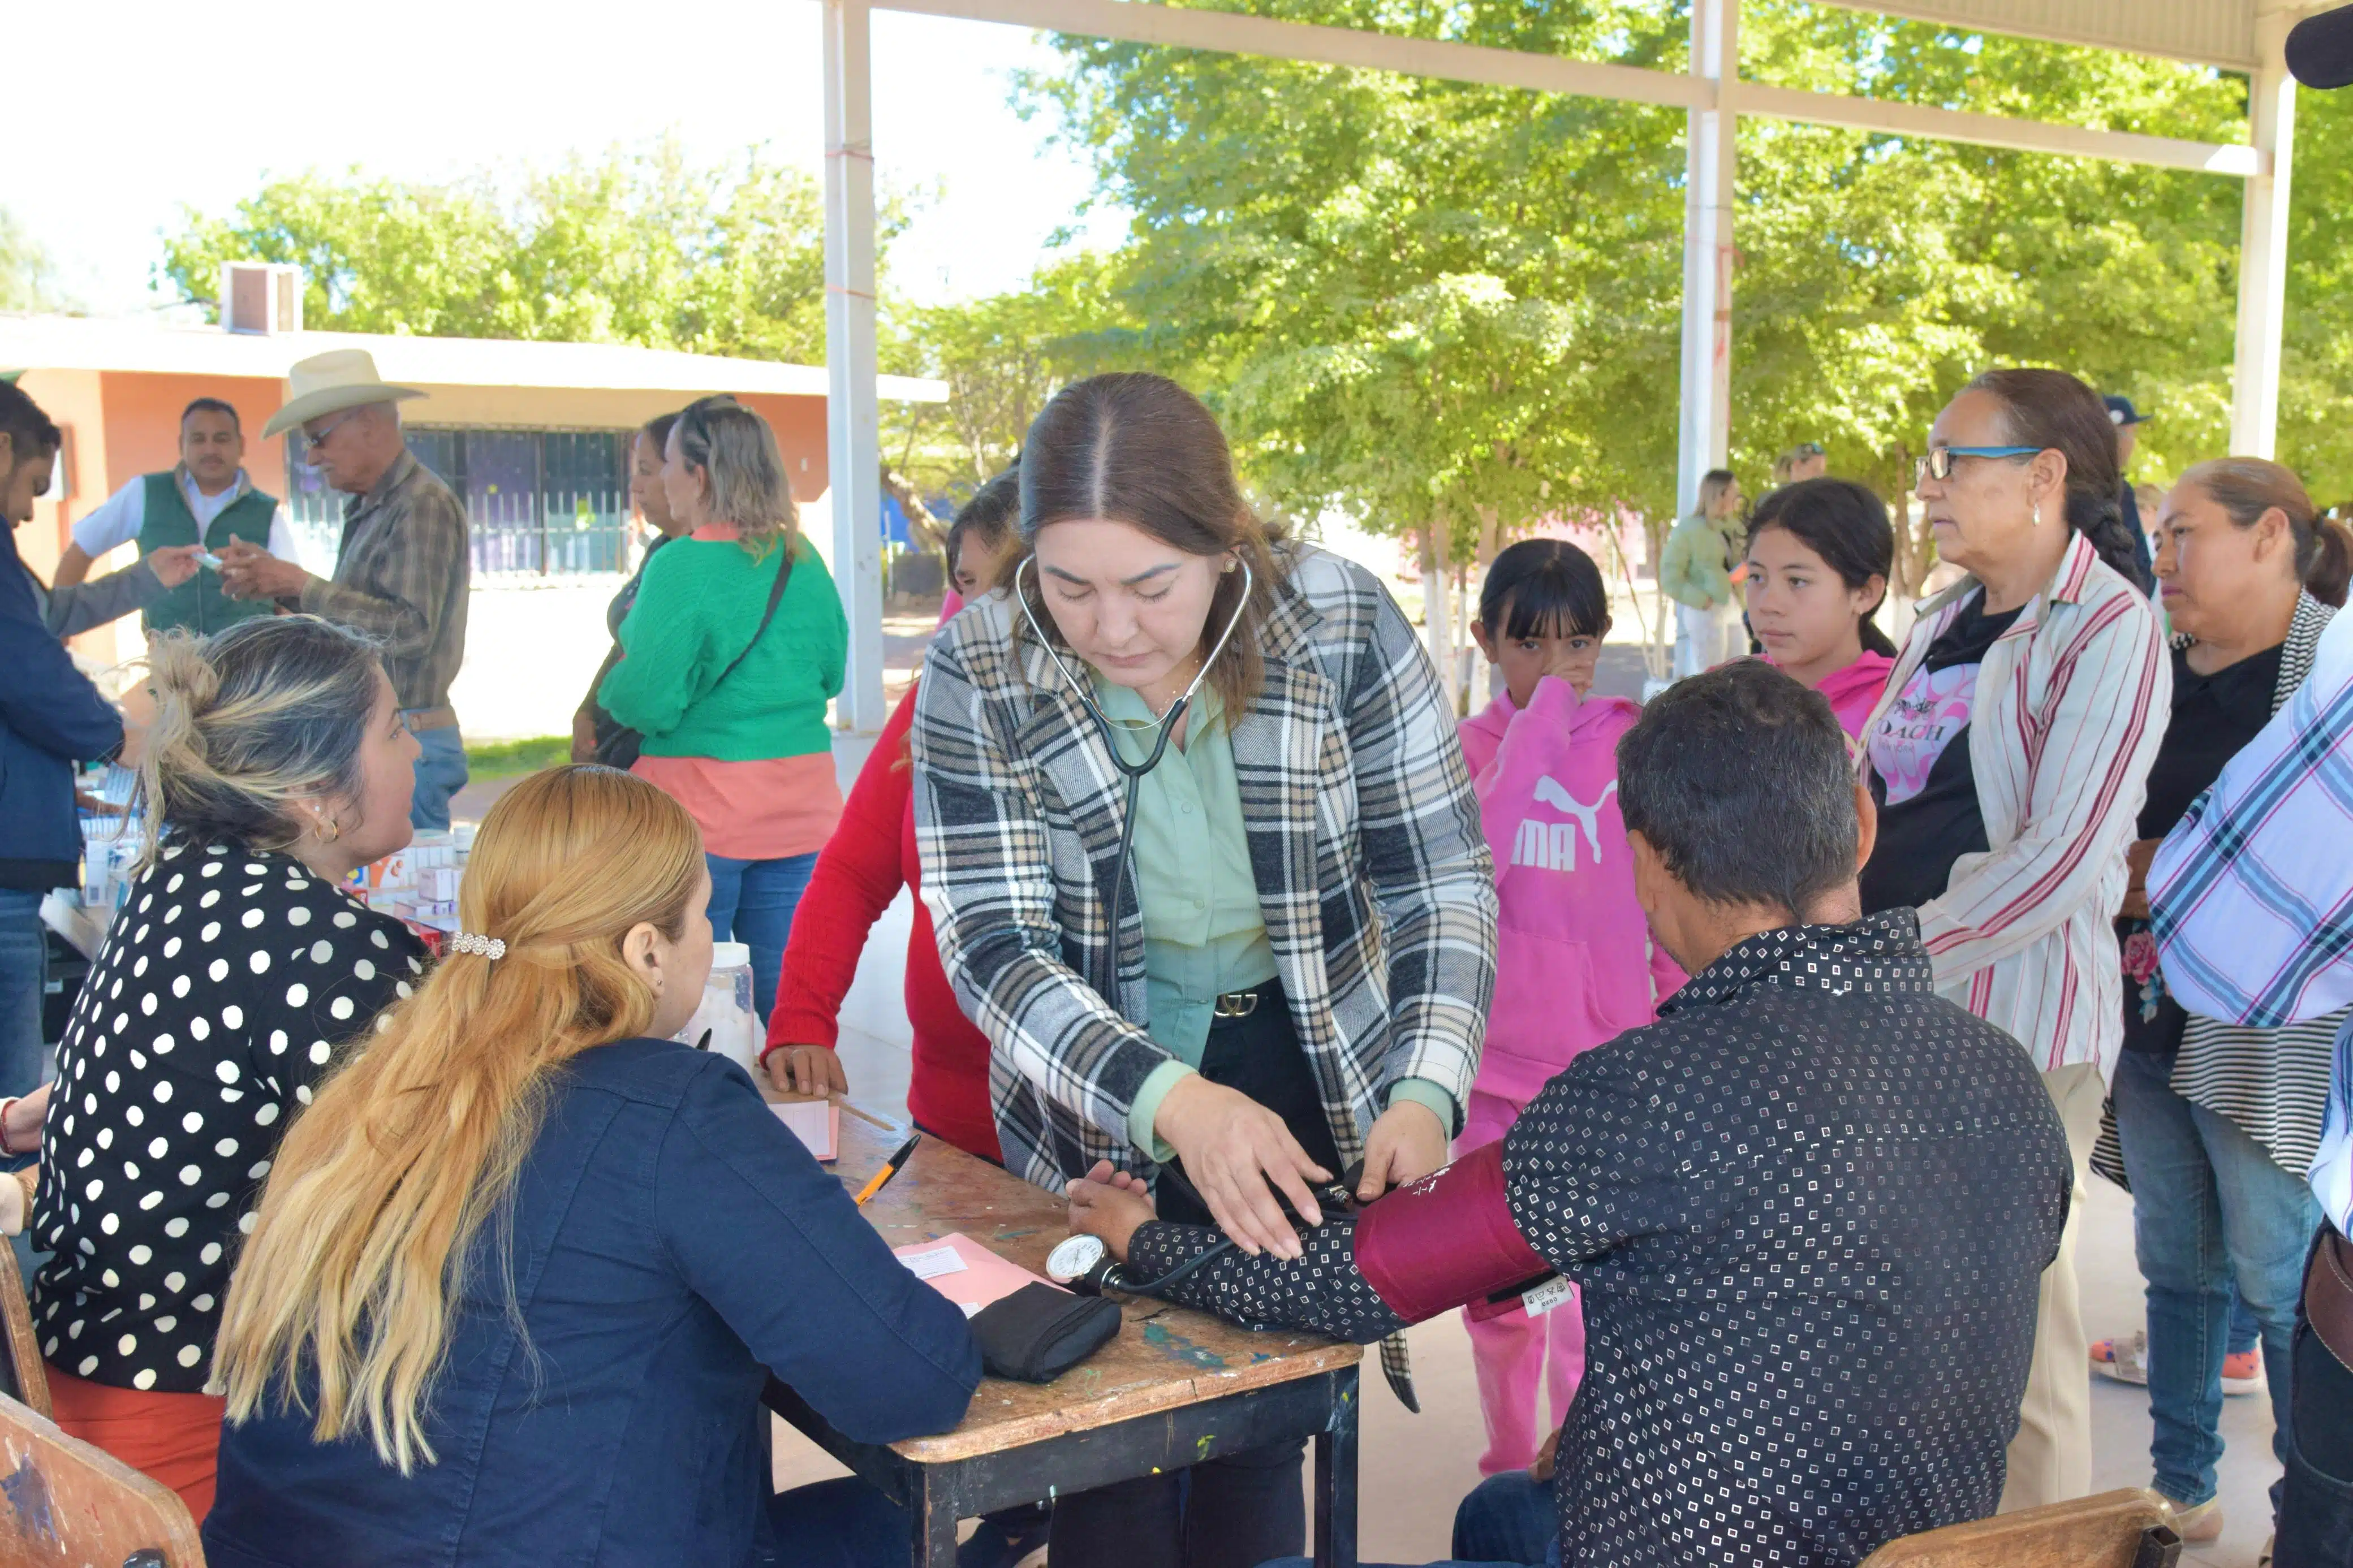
869, 857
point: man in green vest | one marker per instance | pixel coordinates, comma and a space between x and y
206, 499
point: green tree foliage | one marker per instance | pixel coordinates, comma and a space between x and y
1002, 357
1453, 306
2316, 386
640, 246
28, 276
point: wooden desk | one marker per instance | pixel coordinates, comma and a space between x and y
1175, 1386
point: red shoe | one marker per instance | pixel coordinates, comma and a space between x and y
2242, 1373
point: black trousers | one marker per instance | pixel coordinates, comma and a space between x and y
1235, 1510
2315, 1507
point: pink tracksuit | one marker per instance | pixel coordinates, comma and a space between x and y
1574, 968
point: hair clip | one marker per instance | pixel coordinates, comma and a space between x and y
488, 946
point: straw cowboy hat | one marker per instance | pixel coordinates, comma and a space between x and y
330, 383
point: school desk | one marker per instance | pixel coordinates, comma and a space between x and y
1173, 1387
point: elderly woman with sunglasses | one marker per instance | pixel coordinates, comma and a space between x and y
2010, 754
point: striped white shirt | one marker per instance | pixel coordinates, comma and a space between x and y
2070, 705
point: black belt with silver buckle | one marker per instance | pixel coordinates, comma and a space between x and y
1237, 1004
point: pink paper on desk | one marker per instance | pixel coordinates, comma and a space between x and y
816, 1123
965, 1271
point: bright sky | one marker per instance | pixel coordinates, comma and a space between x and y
139, 106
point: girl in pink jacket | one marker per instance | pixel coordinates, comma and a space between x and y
1575, 963
1818, 554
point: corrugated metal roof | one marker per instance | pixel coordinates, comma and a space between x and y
96, 343
2211, 32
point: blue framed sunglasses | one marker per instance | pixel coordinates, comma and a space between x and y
1938, 463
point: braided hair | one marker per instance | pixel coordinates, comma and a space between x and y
2049, 409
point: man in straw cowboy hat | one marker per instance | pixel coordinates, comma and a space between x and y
403, 573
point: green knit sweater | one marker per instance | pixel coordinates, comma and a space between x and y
697, 608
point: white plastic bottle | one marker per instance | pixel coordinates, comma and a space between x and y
726, 1007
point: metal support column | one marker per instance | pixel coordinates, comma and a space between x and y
2263, 243
1705, 438
852, 413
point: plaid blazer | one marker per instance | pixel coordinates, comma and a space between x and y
1364, 841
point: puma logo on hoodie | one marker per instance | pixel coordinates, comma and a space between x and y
1553, 844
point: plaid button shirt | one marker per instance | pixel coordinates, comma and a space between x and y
1372, 871
402, 579
2251, 893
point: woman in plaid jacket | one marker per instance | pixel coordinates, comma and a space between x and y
1299, 971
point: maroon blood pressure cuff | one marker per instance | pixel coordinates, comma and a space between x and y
1444, 1240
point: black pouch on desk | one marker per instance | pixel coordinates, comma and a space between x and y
1037, 1333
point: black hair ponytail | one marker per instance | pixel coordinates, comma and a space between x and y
2049, 409
1847, 526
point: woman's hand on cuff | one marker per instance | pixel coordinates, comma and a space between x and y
1407, 1143
1232, 1149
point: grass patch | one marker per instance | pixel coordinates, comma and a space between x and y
504, 758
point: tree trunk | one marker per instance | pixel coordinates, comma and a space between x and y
1437, 606
1473, 587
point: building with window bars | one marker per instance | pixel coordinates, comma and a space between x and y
534, 436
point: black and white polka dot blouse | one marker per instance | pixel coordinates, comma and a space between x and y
226, 983
1808, 1210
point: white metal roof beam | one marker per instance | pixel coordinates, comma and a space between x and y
1227, 32
1994, 131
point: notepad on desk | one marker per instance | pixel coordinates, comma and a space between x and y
965, 1271
816, 1123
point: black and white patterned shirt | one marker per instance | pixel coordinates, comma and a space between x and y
226, 983
1808, 1210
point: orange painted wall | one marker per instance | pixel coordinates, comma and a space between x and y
799, 424
71, 398
143, 425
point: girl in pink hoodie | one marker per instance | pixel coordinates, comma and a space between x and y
1818, 554
1575, 963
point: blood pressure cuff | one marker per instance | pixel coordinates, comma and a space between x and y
1037, 1333
1445, 1239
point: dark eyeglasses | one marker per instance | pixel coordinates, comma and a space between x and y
1810, 450
1938, 463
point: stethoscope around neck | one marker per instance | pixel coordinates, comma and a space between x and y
1164, 727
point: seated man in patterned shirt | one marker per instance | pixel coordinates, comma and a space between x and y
1808, 1209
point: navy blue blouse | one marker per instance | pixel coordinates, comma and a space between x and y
672, 1244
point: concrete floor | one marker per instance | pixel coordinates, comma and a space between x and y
1417, 1468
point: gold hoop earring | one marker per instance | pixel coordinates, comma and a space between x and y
325, 829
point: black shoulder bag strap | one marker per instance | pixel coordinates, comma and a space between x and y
775, 597
619, 749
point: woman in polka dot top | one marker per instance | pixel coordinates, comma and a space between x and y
235, 972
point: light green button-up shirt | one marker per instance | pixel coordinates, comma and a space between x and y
1204, 933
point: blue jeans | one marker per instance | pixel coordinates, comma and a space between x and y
2244, 1330
845, 1523
2208, 1208
752, 901
24, 969
1508, 1518
1507, 1522
440, 773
